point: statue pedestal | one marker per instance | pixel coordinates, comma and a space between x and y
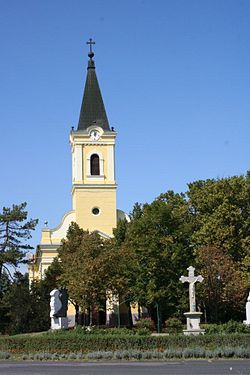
59, 323
193, 324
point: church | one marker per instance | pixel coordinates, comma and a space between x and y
93, 176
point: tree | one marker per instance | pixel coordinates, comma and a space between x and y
158, 238
85, 259
14, 231
220, 209
222, 291
52, 276
26, 308
5, 284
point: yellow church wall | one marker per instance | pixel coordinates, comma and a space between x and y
83, 147
49, 238
85, 200
48, 254
46, 236
54, 236
103, 151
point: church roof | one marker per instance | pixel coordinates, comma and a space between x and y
92, 109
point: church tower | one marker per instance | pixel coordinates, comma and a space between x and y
93, 176
93, 162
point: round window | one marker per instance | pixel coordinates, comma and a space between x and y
95, 211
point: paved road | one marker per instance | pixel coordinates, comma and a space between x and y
221, 367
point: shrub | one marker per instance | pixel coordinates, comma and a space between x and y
173, 325
235, 327
172, 353
143, 331
4, 355
146, 355
68, 342
230, 327
145, 323
72, 356
107, 355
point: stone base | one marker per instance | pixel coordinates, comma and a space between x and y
193, 324
59, 323
193, 332
246, 322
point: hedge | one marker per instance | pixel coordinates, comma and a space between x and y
168, 354
75, 343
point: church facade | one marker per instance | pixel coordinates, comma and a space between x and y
93, 176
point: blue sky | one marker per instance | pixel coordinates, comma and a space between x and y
175, 80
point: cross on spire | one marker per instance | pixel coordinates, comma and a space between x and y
90, 42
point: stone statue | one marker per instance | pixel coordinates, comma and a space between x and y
55, 302
58, 308
247, 321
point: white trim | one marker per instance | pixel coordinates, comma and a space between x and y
87, 142
89, 187
73, 164
61, 230
102, 234
78, 163
111, 166
97, 177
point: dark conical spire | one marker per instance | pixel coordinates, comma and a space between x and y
92, 109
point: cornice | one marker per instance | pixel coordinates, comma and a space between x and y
92, 187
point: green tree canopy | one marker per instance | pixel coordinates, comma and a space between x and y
158, 238
221, 214
84, 258
222, 292
15, 230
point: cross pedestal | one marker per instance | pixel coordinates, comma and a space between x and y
193, 316
193, 324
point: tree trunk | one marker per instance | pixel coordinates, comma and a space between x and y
77, 314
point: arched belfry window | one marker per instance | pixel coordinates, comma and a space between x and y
94, 165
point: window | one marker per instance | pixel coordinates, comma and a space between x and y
94, 165
95, 211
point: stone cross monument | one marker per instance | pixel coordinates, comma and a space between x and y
191, 279
193, 316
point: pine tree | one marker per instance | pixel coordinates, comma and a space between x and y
14, 231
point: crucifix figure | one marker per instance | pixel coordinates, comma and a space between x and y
90, 42
191, 279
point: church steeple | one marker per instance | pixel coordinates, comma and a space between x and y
92, 109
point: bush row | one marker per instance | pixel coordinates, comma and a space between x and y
226, 328
172, 326
222, 352
92, 330
67, 342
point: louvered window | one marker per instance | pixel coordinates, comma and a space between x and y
94, 165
